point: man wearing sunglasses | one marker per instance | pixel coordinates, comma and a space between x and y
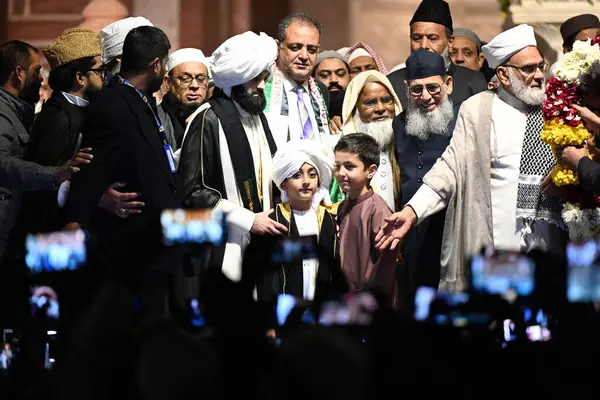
422, 133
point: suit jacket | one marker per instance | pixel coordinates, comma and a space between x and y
55, 138
466, 83
127, 148
589, 175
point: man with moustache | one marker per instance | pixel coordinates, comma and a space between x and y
186, 82
490, 175
333, 71
422, 133
76, 76
431, 29
130, 146
20, 82
370, 106
296, 102
226, 157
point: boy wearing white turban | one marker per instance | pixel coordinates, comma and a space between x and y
302, 170
225, 161
490, 176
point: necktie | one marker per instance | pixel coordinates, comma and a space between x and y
307, 129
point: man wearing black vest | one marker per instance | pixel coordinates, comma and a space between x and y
422, 133
226, 156
431, 29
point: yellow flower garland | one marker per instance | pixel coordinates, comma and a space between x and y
558, 134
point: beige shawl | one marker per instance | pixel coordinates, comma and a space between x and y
461, 177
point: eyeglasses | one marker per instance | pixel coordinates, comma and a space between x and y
100, 71
530, 69
372, 102
186, 80
432, 88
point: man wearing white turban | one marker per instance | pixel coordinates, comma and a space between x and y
490, 175
113, 36
302, 170
226, 156
186, 82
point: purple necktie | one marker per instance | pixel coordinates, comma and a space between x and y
307, 129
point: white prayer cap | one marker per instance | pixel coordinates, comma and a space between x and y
292, 155
242, 58
113, 36
185, 55
358, 52
507, 44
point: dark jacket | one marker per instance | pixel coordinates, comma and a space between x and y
17, 175
589, 175
465, 83
422, 244
127, 148
289, 279
56, 134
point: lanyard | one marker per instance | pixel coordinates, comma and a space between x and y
159, 125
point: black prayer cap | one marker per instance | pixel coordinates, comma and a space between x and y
437, 11
571, 27
423, 64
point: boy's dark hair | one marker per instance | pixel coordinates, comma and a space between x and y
12, 54
63, 78
361, 144
142, 45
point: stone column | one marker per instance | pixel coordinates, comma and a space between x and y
99, 13
163, 14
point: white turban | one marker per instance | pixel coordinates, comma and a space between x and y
507, 44
113, 36
185, 55
242, 58
291, 156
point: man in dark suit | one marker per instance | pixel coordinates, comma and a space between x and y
129, 145
422, 133
431, 29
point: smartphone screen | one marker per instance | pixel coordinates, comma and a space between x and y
55, 251
537, 325
291, 250
501, 272
9, 349
583, 278
192, 226
450, 309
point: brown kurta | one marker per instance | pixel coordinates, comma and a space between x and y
364, 266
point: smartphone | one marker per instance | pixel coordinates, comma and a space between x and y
292, 250
193, 226
537, 325
197, 319
583, 278
503, 271
9, 350
57, 251
449, 309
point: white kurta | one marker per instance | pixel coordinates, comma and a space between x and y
506, 142
383, 181
307, 223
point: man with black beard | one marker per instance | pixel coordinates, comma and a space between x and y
333, 71
422, 133
130, 146
226, 157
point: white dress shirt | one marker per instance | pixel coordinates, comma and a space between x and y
76, 100
308, 224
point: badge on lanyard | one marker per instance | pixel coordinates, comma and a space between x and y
169, 154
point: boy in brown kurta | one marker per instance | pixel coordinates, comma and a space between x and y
360, 216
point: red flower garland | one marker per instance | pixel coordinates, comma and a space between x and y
560, 96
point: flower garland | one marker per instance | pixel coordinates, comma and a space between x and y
563, 127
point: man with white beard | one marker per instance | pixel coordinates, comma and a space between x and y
422, 133
490, 176
370, 105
